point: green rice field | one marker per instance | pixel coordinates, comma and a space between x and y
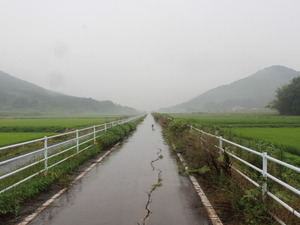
241, 120
282, 136
281, 131
9, 138
19, 129
58, 122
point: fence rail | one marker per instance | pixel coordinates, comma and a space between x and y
50, 144
265, 158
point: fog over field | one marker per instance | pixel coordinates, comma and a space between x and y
145, 54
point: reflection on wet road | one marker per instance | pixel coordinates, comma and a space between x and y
137, 184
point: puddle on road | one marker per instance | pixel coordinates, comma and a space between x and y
137, 184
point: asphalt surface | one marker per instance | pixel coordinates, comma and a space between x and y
138, 183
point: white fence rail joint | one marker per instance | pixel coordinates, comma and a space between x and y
49, 151
263, 170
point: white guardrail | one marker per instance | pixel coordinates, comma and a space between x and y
263, 171
62, 142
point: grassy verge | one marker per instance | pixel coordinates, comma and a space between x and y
11, 201
235, 199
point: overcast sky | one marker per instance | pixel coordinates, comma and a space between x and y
146, 54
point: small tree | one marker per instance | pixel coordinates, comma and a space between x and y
287, 100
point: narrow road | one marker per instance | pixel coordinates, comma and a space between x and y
138, 183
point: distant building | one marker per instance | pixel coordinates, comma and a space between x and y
237, 108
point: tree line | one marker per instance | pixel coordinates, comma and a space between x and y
287, 101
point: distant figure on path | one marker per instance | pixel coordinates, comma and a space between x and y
153, 127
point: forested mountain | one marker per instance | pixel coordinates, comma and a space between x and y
21, 97
252, 92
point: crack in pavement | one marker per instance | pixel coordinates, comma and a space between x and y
160, 156
153, 188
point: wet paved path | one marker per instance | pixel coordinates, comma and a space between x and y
136, 184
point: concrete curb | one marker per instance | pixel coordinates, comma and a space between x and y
29, 218
208, 207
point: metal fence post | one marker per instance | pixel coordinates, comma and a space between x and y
220, 143
77, 141
105, 127
46, 152
94, 133
264, 174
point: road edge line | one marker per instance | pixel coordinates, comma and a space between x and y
214, 218
32, 216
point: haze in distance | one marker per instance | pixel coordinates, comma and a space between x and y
145, 54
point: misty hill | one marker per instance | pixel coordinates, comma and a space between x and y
252, 92
21, 97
